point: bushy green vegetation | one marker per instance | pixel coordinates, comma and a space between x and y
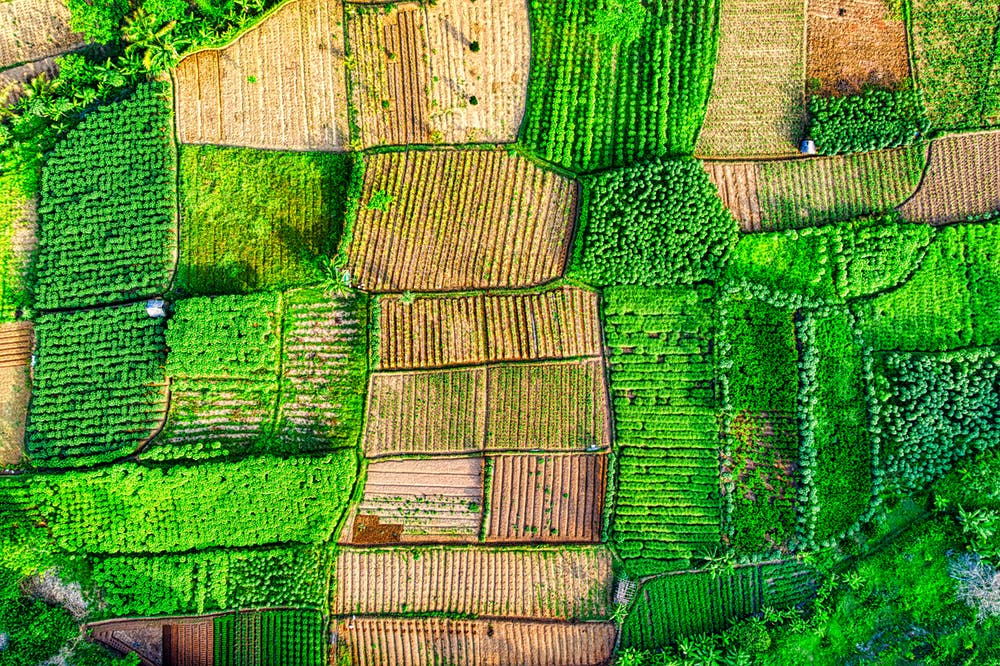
842, 465
840, 261
108, 206
617, 81
132, 509
954, 48
760, 467
872, 120
211, 580
17, 193
256, 219
99, 387
658, 223
663, 390
930, 410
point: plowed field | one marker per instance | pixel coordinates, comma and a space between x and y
440, 331
852, 43
554, 406
432, 500
459, 219
546, 583
404, 642
737, 185
757, 106
418, 79
34, 29
281, 84
426, 412
16, 343
174, 641
547, 498
189, 644
962, 180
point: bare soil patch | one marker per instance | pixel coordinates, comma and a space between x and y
174, 641
280, 85
547, 498
737, 185
852, 43
403, 642
447, 220
34, 29
962, 180
543, 583
16, 345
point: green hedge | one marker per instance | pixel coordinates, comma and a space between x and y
873, 120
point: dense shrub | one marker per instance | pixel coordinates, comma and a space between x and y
931, 410
654, 224
873, 120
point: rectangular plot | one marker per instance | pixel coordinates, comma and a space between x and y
559, 406
439, 499
281, 84
543, 583
438, 331
547, 498
440, 220
426, 412
403, 642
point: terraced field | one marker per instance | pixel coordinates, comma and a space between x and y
399, 642
431, 332
424, 226
548, 583
281, 85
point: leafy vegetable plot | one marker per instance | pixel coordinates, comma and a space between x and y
99, 386
108, 206
873, 120
616, 81
658, 223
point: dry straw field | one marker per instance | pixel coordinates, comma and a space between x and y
430, 332
16, 344
757, 104
548, 406
547, 498
537, 583
962, 180
281, 85
34, 29
404, 642
852, 43
445, 72
431, 500
424, 223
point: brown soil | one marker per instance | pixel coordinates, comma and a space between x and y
406, 642
34, 29
459, 219
189, 644
280, 85
437, 331
962, 180
434, 500
16, 343
175, 641
542, 583
855, 42
547, 498
737, 185
369, 530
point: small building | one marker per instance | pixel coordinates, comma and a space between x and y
807, 147
155, 308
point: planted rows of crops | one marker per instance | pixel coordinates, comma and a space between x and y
108, 206
289, 637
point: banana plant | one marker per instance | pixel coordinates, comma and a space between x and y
159, 45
